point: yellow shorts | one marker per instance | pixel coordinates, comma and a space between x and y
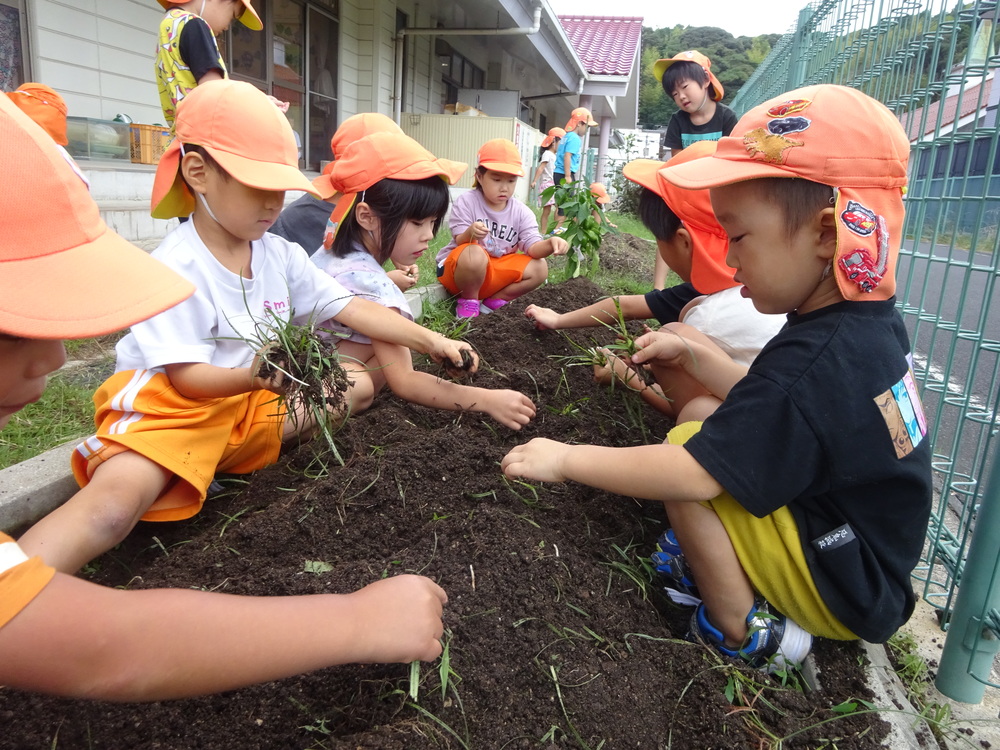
500, 272
140, 411
770, 551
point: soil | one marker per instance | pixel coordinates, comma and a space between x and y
555, 636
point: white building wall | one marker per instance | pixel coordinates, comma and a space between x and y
98, 55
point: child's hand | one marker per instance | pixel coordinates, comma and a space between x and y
617, 369
509, 408
543, 318
448, 353
405, 278
267, 374
398, 619
540, 459
660, 348
478, 230
559, 245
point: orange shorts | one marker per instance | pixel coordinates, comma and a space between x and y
500, 272
140, 411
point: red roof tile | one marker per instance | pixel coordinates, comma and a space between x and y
972, 100
607, 45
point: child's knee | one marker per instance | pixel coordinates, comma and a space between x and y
109, 510
473, 259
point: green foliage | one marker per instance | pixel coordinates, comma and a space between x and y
583, 231
626, 192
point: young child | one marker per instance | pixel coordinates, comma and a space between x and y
63, 635
186, 400
542, 179
403, 197
186, 53
600, 194
690, 240
802, 503
570, 153
496, 253
687, 78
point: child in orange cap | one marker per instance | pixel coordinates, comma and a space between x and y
306, 220
186, 400
186, 53
398, 192
496, 253
689, 237
542, 179
570, 153
600, 194
801, 503
63, 635
687, 78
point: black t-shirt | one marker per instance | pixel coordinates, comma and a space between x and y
681, 132
666, 304
198, 48
304, 221
827, 422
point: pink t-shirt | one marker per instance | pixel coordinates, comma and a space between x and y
515, 228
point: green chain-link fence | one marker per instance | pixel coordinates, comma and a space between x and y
933, 64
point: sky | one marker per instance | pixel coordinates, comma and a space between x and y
738, 17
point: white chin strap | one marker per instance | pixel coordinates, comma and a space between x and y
204, 202
202, 11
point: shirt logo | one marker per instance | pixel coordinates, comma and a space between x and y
903, 414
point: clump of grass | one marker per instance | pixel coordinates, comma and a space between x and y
314, 381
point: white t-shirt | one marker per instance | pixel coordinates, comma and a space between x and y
732, 322
362, 276
209, 327
548, 161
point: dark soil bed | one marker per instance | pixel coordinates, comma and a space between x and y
553, 642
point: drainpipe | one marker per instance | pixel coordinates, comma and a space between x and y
397, 99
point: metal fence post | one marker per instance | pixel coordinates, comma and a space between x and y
971, 645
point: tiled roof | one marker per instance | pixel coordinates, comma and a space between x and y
606, 44
971, 100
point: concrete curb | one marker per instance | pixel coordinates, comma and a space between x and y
38, 486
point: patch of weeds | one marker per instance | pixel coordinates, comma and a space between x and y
636, 569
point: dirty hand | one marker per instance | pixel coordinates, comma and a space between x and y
509, 408
449, 353
662, 348
540, 459
403, 278
478, 230
615, 368
399, 620
559, 245
543, 318
266, 371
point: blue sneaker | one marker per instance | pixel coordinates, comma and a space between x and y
669, 563
774, 642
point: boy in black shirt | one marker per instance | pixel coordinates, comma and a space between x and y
801, 503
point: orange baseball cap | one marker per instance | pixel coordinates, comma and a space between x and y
500, 155
242, 130
600, 192
691, 55
836, 136
552, 135
578, 115
44, 106
248, 18
63, 272
352, 129
709, 243
379, 156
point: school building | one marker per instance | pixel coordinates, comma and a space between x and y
453, 73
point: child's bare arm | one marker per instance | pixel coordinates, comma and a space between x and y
473, 233
165, 644
382, 324
547, 247
709, 366
652, 472
202, 380
633, 307
509, 408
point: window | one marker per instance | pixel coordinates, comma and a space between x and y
13, 45
457, 72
